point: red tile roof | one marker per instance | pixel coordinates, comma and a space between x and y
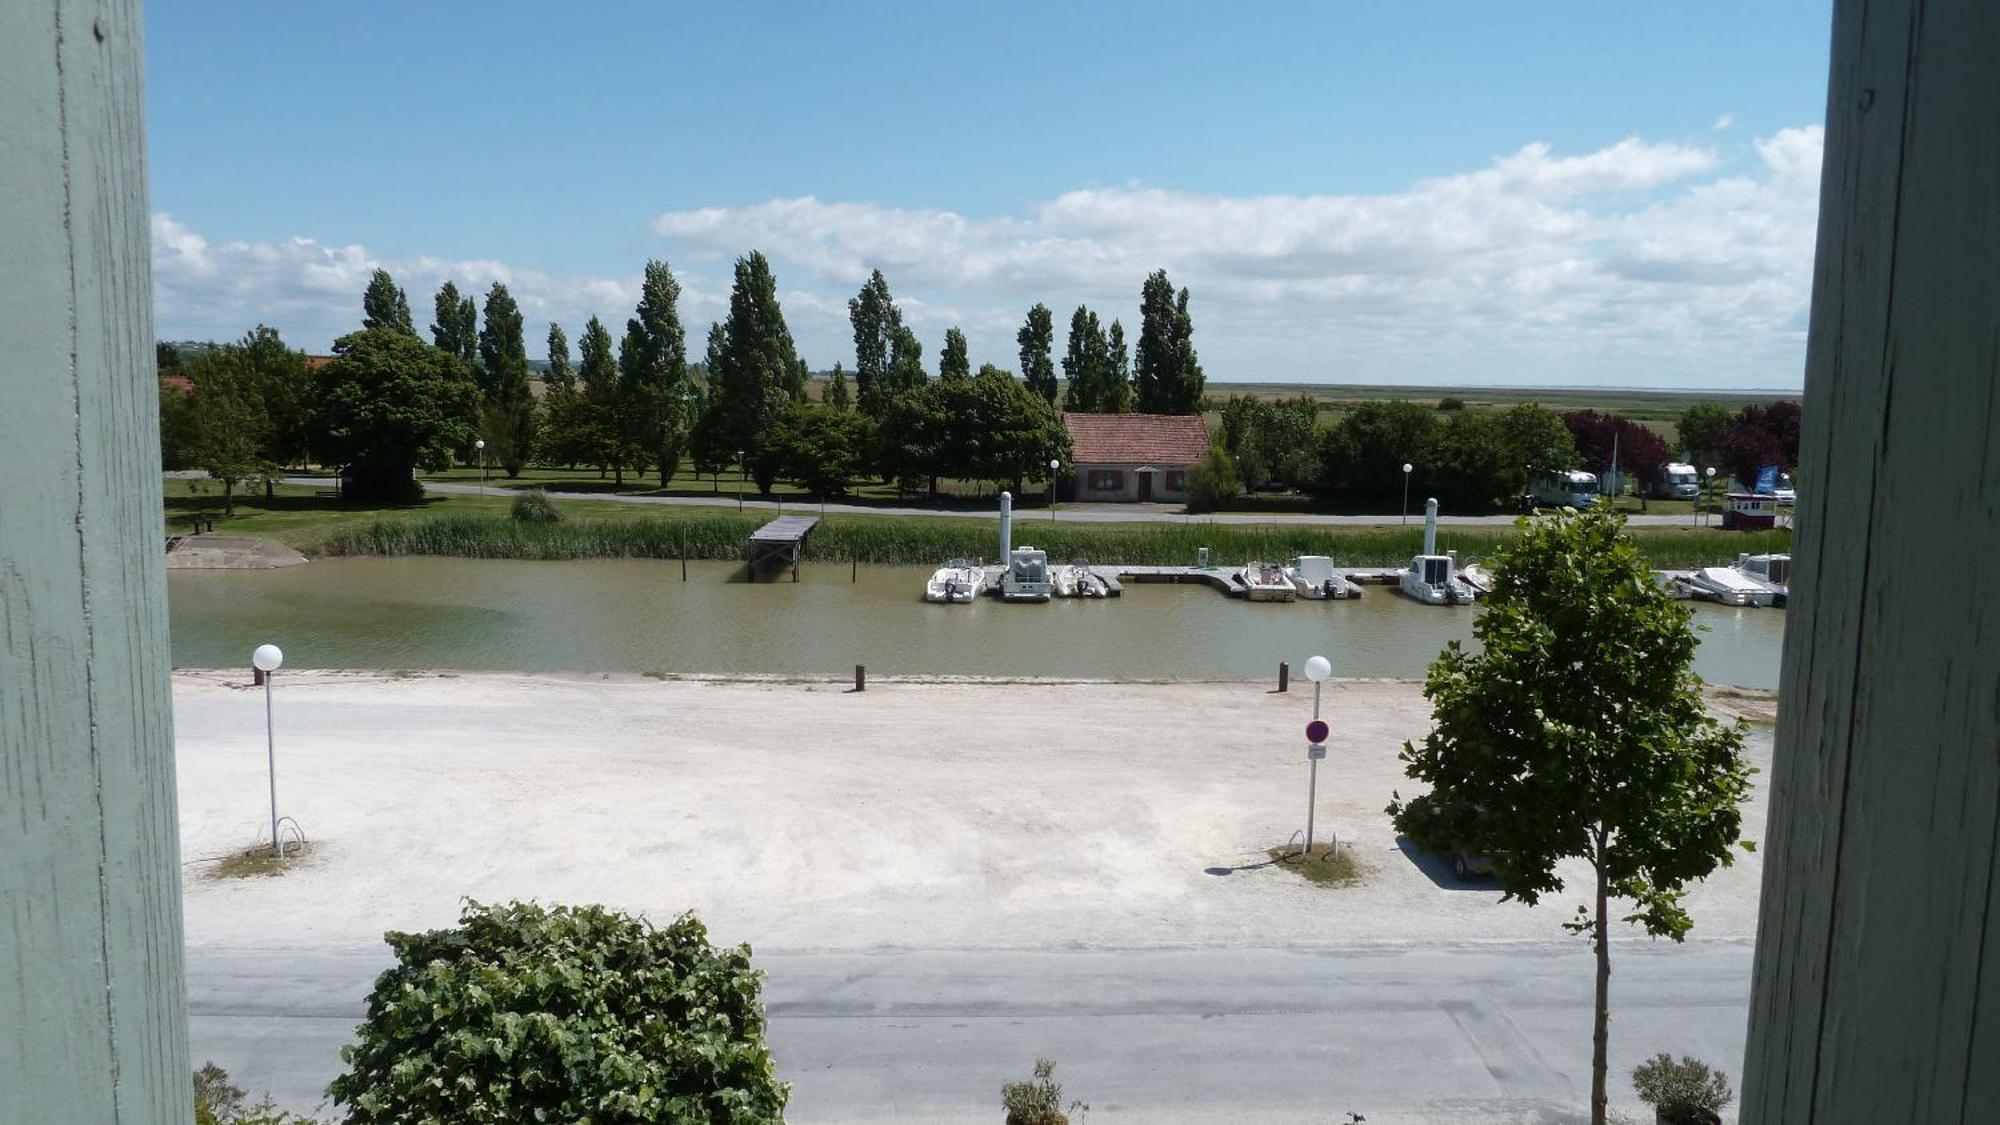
1137, 439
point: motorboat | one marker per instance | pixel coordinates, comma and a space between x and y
1478, 577
1313, 577
958, 581
1027, 578
1077, 580
1726, 585
1774, 571
1266, 582
1434, 580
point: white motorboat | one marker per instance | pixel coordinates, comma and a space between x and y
958, 581
1266, 582
1725, 585
1077, 580
1434, 580
1313, 577
1477, 577
1774, 571
1027, 578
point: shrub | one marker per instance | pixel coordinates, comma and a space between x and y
219, 1102
534, 506
1686, 1092
1211, 482
1038, 1101
531, 1013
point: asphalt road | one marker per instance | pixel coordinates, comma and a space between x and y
1410, 1033
1074, 513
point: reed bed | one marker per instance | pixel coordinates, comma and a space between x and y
931, 541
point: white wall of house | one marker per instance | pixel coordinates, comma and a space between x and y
1120, 483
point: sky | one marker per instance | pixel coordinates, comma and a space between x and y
1529, 194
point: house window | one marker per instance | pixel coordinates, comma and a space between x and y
1107, 480
1176, 480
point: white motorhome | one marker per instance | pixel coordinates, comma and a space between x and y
1679, 482
1573, 489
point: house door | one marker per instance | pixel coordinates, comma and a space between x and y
1145, 487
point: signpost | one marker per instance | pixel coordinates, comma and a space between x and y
1318, 668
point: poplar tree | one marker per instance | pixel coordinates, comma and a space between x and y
598, 374
877, 323
384, 305
753, 369
836, 390
560, 374
953, 362
1037, 340
1087, 365
1117, 393
509, 417
1167, 376
455, 324
655, 387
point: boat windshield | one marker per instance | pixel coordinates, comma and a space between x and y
1776, 570
1437, 571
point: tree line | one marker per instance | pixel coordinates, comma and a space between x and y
389, 402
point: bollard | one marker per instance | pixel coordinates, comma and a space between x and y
854, 569
256, 677
1284, 676
861, 677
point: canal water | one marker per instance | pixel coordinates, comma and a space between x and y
638, 616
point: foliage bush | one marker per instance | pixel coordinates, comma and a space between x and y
217, 1101
534, 506
562, 1014
1038, 1101
1684, 1092
1211, 482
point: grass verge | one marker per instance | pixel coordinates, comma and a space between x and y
1324, 866
261, 861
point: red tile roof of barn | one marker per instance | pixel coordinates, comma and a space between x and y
1137, 439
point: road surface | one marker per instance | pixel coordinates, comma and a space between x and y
1487, 1032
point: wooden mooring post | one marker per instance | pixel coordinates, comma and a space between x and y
861, 677
1284, 676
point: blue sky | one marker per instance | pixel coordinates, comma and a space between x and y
1518, 193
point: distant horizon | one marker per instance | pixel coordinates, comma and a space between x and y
1561, 198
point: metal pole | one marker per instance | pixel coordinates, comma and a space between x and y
739, 482
271, 759
1312, 783
1406, 498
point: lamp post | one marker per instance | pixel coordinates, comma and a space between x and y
739, 480
1707, 487
1318, 668
1406, 491
268, 659
1055, 466
480, 445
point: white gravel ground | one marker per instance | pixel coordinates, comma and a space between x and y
799, 816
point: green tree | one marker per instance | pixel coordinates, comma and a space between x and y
455, 323
176, 424
508, 414
1118, 373
877, 323
656, 391
1578, 732
387, 404
1363, 454
230, 427
753, 369
823, 450
1211, 481
1700, 429
596, 424
1167, 376
283, 384
1534, 442
837, 395
560, 372
384, 305
953, 362
1037, 341
526, 1013
1090, 368
1269, 440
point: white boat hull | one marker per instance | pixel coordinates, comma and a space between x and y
955, 586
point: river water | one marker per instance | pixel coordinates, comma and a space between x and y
638, 616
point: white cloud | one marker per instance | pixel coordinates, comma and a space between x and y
1651, 263
1724, 122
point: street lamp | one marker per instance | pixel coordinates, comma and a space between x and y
268, 659
1055, 465
1406, 491
1708, 487
1318, 668
480, 445
739, 480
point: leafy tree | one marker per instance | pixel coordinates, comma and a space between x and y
508, 413
1640, 453
953, 362
753, 369
387, 404
560, 374
877, 323
1090, 368
1534, 441
526, 1013
1760, 436
231, 429
593, 432
1269, 440
837, 395
1037, 340
1466, 460
822, 449
1700, 430
1450, 403
906, 364
455, 324
987, 428
1118, 377
656, 393
384, 305
1578, 732
1167, 377
176, 424
1363, 454
1211, 481
283, 384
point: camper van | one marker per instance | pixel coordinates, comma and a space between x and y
1563, 490
1679, 482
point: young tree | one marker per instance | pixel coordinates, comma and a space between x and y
508, 414
384, 305
1578, 732
1700, 431
753, 369
230, 427
1167, 377
837, 395
953, 362
1037, 340
560, 374
455, 324
387, 404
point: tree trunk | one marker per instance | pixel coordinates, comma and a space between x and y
617, 477
1600, 1028
228, 497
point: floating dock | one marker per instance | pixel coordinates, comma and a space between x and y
781, 541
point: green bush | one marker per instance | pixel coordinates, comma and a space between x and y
524, 1013
1038, 1101
1686, 1092
219, 1102
534, 506
1211, 482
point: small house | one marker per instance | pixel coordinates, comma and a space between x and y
1133, 457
